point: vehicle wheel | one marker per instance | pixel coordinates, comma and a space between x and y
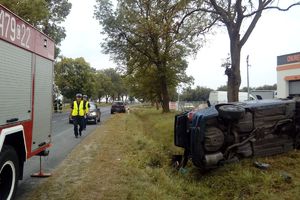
111, 112
231, 112
9, 172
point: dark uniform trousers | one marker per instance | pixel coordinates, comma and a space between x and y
78, 121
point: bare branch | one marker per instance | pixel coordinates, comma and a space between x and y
273, 7
252, 24
191, 13
133, 44
220, 11
229, 6
240, 16
207, 28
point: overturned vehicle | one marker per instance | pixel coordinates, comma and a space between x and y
227, 132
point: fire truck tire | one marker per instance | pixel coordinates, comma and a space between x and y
9, 172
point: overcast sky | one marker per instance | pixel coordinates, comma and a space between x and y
276, 33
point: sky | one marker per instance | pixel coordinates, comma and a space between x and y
276, 33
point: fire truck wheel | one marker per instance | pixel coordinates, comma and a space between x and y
9, 172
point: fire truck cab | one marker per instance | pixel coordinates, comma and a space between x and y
26, 78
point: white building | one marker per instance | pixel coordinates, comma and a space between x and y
288, 75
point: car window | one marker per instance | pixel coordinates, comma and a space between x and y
118, 103
92, 106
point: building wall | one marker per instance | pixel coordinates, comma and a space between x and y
288, 69
283, 84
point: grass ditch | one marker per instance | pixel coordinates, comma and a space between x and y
129, 158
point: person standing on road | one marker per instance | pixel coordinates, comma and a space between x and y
78, 114
86, 110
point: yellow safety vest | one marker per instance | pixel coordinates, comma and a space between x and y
86, 107
76, 111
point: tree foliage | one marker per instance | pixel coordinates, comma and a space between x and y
222, 88
74, 76
58, 11
197, 94
46, 15
144, 85
103, 86
245, 89
144, 34
117, 88
33, 11
267, 87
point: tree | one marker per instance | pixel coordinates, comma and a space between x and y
197, 94
222, 88
267, 87
117, 89
232, 14
145, 87
146, 33
74, 76
245, 89
103, 86
33, 11
45, 15
58, 11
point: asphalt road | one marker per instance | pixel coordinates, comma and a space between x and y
63, 142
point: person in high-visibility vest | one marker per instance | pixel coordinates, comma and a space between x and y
78, 112
86, 111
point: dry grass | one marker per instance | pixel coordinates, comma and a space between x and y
129, 158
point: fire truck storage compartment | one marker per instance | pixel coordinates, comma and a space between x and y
15, 83
17, 67
294, 87
42, 101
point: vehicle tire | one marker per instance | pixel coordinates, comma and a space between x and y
9, 172
231, 112
111, 112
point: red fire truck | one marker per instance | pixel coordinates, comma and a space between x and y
26, 76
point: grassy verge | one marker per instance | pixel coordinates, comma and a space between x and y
129, 158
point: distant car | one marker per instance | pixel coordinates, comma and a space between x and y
94, 114
118, 106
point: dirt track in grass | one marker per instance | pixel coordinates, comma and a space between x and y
91, 171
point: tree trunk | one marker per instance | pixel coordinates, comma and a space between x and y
165, 94
234, 75
161, 66
157, 104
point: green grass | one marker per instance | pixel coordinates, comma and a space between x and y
129, 157
151, 136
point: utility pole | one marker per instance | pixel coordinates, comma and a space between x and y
248, 77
